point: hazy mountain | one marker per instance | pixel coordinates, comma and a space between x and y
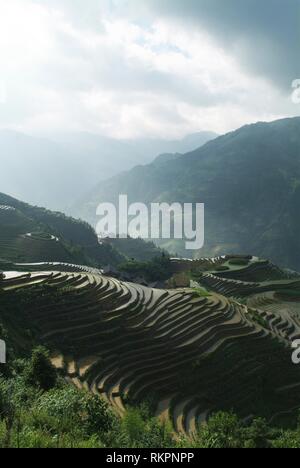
56, 173
108, 157
37, 170
249, 181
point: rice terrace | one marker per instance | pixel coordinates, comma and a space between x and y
149, 227
127, 342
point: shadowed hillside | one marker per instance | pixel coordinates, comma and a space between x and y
33, 235
249, 181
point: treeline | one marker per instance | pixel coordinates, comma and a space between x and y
157, 269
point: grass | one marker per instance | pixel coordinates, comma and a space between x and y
238, 262
257, 318
289, 293
201, 292
222, 268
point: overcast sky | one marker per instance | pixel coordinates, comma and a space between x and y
146, 68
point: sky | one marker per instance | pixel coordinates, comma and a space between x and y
146, 68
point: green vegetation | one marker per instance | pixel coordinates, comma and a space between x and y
134, 249
257, 318
221, 268
225, 430
97, 362
62, 416
238, 262
201, 292
31, 234
182, 355
157, 329
158, 269
40, 372
40, 235
65, 417
289, 294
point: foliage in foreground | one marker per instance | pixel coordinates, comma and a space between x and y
39, 410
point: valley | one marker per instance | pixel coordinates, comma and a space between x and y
134, 327
149, 227
74, 162
124, 323
248, 181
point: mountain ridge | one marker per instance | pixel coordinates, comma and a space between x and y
248, 179
67, 166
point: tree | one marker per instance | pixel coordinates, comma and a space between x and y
7, 409
99, 417
287, 440
40, 372
223, 430
258, 435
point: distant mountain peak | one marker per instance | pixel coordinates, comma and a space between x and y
248, 179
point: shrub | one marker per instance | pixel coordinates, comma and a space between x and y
76, 409
287, 440
288, 294
201, 292
140, 430
257, 318
133, 425
226, 430
221, 268
158, 269
257, 435
223, 430
40, 372
239, 262
7, 412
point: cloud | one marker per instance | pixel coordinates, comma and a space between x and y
263, 35
114, 68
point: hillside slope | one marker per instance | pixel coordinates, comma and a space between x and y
249, 181
32, 234
186, 352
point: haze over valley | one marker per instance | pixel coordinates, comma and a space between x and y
57, 170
